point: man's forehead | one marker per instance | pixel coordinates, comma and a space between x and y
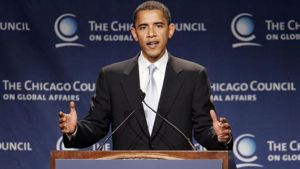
150, 15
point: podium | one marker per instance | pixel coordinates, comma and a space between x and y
146, 159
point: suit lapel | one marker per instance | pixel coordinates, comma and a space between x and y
131, 86
171, 86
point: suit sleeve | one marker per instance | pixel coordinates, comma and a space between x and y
202, 122
96, 124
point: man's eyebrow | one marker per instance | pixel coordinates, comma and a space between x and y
156, 23
142, 24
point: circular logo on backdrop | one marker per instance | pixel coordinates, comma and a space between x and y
247, 147
244, 149
68, 27
245, 26
65, 28
242, 28
60, 145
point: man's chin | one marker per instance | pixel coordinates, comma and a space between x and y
153, 56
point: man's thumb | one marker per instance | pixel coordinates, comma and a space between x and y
72, 108
213, 115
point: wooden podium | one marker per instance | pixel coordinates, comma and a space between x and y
137, 155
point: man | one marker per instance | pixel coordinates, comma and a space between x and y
177, 89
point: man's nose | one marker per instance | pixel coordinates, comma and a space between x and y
151, 32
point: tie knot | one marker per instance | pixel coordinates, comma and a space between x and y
151, 68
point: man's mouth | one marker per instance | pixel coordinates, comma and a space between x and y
152, 44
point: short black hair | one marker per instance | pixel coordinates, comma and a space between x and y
152, 5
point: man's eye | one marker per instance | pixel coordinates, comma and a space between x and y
142, 27
160, 25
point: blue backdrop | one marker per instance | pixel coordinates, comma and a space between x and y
51, 52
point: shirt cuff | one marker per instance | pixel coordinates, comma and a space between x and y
229, 140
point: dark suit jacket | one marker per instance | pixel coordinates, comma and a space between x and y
185, 101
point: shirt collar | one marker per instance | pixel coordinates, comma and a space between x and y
161, 64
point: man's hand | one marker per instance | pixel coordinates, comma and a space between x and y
221, 127
68, 122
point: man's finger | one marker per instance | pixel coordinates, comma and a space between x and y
61, 114
223, 120
223, 139
62, 120
213, 115
225, 125
225, 133
62, 126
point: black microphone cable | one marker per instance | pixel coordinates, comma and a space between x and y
167, 121
142, 96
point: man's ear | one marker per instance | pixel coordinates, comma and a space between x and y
172, 28
133, 33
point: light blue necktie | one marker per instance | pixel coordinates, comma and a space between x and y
151, 98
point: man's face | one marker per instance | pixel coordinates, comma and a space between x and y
152, 32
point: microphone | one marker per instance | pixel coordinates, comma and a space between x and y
167, 121
141, 96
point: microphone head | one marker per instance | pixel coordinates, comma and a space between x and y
142, 95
